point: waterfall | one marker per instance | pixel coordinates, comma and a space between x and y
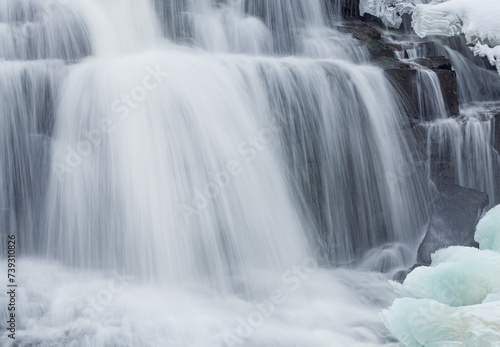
462, 147
28, 95
465, 146
108, 104
180, 168
38, 29
347, 199
176, 169
476, 82
427, 87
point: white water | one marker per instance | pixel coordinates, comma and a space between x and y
474, 82
431, 104
466, 145
41, 29
209, 168
25, 158
256, 27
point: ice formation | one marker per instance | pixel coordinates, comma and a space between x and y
488, 231
455, 301
477, 22
389, 11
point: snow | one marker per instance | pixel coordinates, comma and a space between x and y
455, 301
477, 21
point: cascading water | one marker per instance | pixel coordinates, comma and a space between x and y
369, 146
475, 83
175, 173
28, 92
466, 145
431, 104
32, 30
455, 300
211, 152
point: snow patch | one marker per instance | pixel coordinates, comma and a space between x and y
478, 23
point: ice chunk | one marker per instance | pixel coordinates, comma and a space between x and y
488, 230
458, 276
455, 301
429, 323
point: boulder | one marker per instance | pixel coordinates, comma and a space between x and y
455, 214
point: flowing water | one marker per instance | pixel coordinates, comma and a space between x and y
430, 97
465, 143
193, 173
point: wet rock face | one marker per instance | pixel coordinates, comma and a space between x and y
442, 67
448, 81
350, 8
455, 214
435, 63
403, 80
369, 35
